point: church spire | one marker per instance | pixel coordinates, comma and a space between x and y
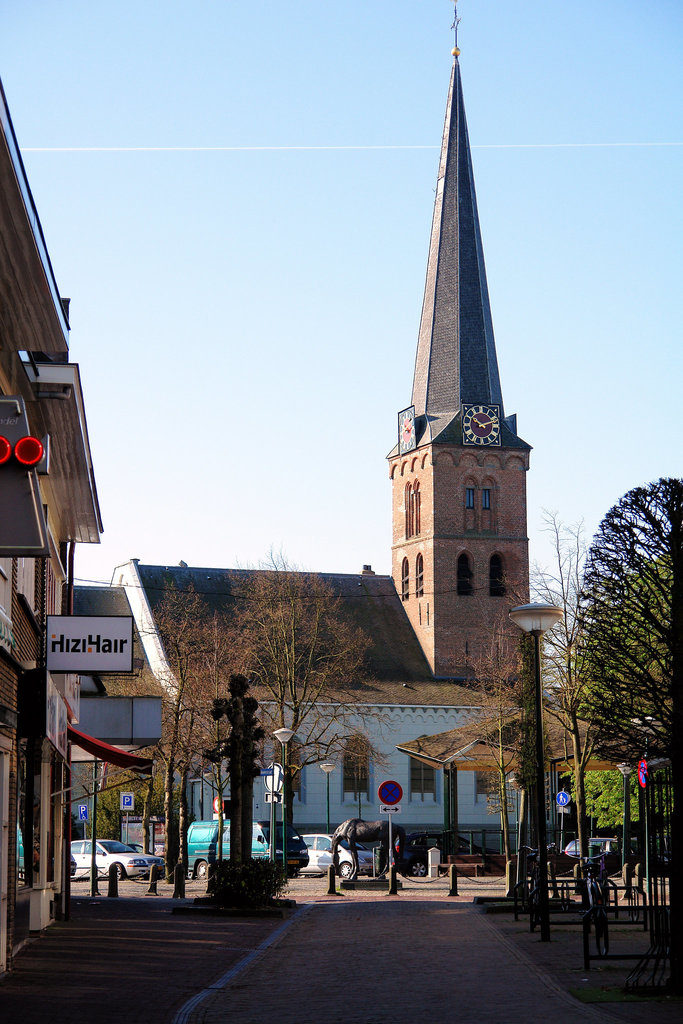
456, 354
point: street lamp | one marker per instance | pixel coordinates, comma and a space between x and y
626, 770
284, 735
537, 619
327, 768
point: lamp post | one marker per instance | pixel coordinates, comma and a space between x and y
537, 619
284, 735
626, 770
327, 768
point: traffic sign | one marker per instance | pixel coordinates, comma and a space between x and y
273, 779
563, 798
390, 809
273, 798
127, 801
642, 773
562, 809
82, 812
390, 792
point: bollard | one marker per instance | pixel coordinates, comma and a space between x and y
510, 877
627, 875
211, 877
113, 889
179, 882
393, 887
552, 879
452, 880
639, 874
331, 881
153, 875
577, 879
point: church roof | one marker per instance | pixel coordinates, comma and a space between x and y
456, 354
396, 670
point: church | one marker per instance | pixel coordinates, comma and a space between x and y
459, 542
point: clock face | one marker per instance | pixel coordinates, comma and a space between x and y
406, 430
481, 424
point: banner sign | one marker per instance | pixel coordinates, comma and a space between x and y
90, 643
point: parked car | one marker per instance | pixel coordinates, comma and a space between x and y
202, 845
320, 856
74, 865
596, 847
297, 851
129, 863
417, 845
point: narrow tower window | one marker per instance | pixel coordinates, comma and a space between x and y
405, 580
412, 509
419, 577
469, 497
408, 509
486, 497
464, 580
496, 585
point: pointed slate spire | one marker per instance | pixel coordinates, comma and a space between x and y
456, 354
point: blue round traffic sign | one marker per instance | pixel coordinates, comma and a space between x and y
390, 792
563, 798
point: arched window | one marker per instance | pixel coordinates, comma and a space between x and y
496, 585
419, 576
405, 580
416, 508
408, 509
412, 508
464, 580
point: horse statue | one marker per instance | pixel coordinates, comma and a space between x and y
355, 830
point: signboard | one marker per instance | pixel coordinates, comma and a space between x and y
82, 812
127, 801
273, 778
55, 718
390, 792
273, 798
90, 643
390, 808
563, 799
642, 774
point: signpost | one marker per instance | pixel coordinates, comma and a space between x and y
390, 795
272, 777
127, 804
563, 800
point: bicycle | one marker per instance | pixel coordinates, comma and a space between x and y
533, 890
596, 911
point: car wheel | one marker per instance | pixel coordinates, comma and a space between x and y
346, 869
200, 869
120, 871
417, 869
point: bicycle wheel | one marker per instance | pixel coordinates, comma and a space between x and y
601, 931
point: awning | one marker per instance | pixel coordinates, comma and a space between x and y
106, 752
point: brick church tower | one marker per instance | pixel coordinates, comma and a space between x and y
460, 549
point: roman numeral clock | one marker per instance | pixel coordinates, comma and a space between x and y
481, 425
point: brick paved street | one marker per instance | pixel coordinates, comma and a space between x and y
361, 957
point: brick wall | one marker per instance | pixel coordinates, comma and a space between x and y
453, 628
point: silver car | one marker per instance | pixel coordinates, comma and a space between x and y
129, 863
320, 856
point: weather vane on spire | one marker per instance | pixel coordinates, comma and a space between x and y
454, 26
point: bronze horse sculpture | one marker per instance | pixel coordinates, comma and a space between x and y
355, 830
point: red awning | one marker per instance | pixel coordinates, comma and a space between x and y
112, 755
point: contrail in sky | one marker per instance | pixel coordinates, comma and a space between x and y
275, 149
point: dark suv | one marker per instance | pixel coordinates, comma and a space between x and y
414, 862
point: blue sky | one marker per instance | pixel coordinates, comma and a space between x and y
237, 199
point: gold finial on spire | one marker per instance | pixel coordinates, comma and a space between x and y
456, 21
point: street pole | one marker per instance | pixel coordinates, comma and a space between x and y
537, 619
284, 735
327, 768
626, 770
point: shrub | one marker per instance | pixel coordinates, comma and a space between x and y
253, 883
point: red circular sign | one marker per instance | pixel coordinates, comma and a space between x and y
390, 792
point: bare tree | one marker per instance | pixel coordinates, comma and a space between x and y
304, 656
566, 674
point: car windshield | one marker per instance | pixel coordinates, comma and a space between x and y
291, 832
112, 846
